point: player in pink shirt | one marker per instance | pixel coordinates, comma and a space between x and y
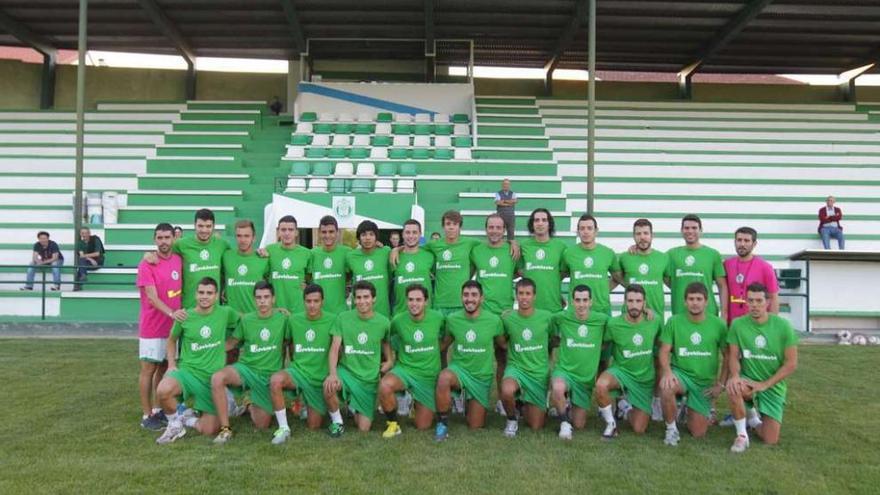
747, 268
160, 287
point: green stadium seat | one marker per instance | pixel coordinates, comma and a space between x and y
358, 153
364, 129
398, 154
300, 168
790, 278
301, 139
322, 168
463, 142
316, 152
423, 129
361, 186
442, 154
336, 153
443, 129
343, 129
401, 129
407, 169
381, 141
460, 118
384, 117
386, 169
336, 186
323, 129
308, 117
420, 154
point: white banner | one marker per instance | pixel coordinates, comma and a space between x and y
355, 98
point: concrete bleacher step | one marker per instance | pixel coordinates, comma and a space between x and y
38, 138
175, 215
194, 164
198, 149
233, 115
100, 306
69, 150
159, 197
727, 186
207, 137
93, 165
90, 127
214, 125
780, 172
65, 182
136, 233
724, 203
193, 181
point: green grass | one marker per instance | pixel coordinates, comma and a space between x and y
72, 412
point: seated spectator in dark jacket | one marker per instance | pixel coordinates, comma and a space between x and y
45, 253
91, 254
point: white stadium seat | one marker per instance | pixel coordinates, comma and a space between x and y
366, 169
296, 152
422, 141
317, 185
441, 118
296, 185
379, 153
401, 140
424, 118
344, 169
327, 117
461, 130
383, 129
442, 142
341, 140
402, 118
345, 117
384, 186
304, 128
405, 186
361, 140
320, 140
366, 117
462, 153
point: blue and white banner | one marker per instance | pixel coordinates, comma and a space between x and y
412, 98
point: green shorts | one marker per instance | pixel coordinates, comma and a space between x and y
770, 403
581, 393
531, 389
638, 393
312, 394
473, 387
696, 393
360, 395
199, 390
257, 383
421, 389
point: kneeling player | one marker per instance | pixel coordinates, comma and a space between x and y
692, 346
309, 335
762, 353
363, 334
261, 336
202, 338
579, 333
416, 334
632, 337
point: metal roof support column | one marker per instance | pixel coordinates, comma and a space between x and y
47, 83
591, 107
80, 123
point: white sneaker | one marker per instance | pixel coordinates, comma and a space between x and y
565, 430
610, 431
280, 436
740, 444
499, 408
458, 404
172, 432
189, 418
672, 437
511, 428
656, 410
224, 436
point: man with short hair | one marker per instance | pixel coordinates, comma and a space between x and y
309, 337
474, 333
632, 338
288, 262
160, 287
592, 264
541, 260
579, 335
243, 269
202, 340
416, 334
202, 255
527, 340
692, 349
328, 266
645, 266
363, 334
505, 207
452, 263
743, 270
494, 268
261, 336
91, 255
394, 239
762, 353
695, 262
414, 266
370, 263
829, 224
45, 253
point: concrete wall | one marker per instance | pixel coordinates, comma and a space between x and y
19, 85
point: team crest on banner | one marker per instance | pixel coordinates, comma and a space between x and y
343, 207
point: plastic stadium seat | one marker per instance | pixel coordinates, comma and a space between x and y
345, 117
383, 129
364, 128
366, 169
398, 154
423, 129
441, 118
301, 139
365, 117
322, 128
344, 169
463, 142
402, 118
442, 142
316, 152
420, 154
360, 140
423, 117
337, 186
322, 168
300, 168
296, 152
384, 117
317, 185
361, 186
401, 140
308, 117
406, 186
422, 141
442, 154
401, 129
443, 129
461, 129
337, 153
358, 153
327, 117
386, 169
296, 185
384, 186
462, 153
381, 141
304, 128
379, 153
461, 118
344, 128
341, 140
407, 169
321, 140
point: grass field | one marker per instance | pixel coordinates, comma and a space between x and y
70, 425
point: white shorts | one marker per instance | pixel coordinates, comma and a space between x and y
151, 350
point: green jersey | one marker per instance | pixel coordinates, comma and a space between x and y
418, 343
311, 344
474, 346
412, 268
361, 343
376, 269
240, 273
696, 346
494, 269
647, 270
202, 340
200, 260
287, 273
633, 345
762, 346
329, 270
452, 268
542, 262
580, 343
528, 342
686, 266
591, 267
261, 341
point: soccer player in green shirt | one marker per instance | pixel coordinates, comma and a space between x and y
761, 354
309, 337
592, 264
541, 260
632, 336
242, 269
645, 266
692, 349
579, 337
202, 339
362, 334
261, 336
288, 263
452, 263
494, 267
202, 255
695, 262
328, 266
416, 336
473, 334
414, 266
527, 339
370, 263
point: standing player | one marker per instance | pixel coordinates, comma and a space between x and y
527, 332
261, 336
242, 269
202, 342
579, 334
494, 268
592, 264
762, 353
745, 269
645, 266
474, 333
416, 335
309, 336
695, 262
159, 285
328, 266
632, 337
542, 260
414, 266
288, 262
202, 256
452, 263
692, 349
362, 334
369, 263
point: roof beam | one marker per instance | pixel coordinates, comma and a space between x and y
295, 27
567, 36
429, 28
26, 36
169, 29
